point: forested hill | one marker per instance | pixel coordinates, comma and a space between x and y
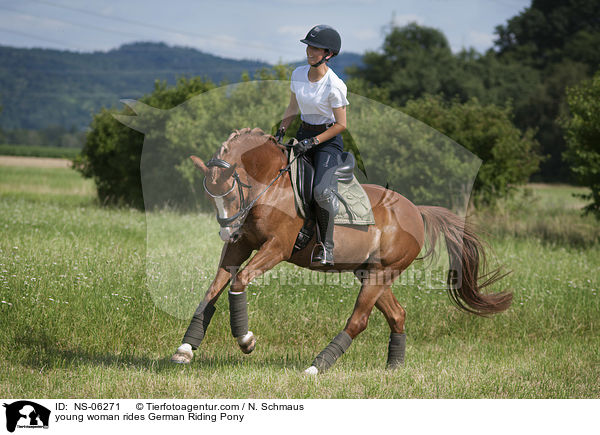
44, 87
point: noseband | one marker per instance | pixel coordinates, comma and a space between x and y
226, 222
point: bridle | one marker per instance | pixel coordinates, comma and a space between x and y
243, 211
244, 208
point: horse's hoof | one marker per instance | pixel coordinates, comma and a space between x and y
182, 356
312, 370
247, 342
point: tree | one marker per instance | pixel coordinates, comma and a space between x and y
559, 39
550, 31
414, 60
582, 135
509, 156
1, 132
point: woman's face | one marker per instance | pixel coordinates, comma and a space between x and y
314, 54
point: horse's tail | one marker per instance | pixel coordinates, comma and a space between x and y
467, 256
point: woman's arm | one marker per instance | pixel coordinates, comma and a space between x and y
339, 114
290, 113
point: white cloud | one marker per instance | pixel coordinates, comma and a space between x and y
28, 22
215, 43
366, 35
108, 10
319, 3
480, 40
292, 30
223, 45
404, 19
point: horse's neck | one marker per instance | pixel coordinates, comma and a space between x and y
264, 163
264, 167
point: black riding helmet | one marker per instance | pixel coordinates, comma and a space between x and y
324, 36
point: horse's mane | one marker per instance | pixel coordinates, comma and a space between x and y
241, 143
238, 139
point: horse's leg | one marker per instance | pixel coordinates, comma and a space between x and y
373, 286
395, 316
232, 256
268, 256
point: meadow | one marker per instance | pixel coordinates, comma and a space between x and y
82, 314
38, 151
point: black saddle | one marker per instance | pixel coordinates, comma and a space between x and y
306, 174
305, 182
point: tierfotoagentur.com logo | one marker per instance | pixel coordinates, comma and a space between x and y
26, 415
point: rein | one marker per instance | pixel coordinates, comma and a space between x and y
244, 208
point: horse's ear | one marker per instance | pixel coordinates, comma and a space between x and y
228, 172
199, 164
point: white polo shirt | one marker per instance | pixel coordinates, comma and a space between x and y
317, 99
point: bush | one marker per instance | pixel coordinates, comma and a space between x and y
193, 117
112, 151
111, 157
582, 134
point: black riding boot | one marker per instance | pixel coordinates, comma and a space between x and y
324, 250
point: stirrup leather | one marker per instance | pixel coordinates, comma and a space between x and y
304, 236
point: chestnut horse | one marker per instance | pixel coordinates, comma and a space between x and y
249, 166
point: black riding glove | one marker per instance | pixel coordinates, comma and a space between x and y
306, 144
280, 134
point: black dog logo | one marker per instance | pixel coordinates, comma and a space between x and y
26, 414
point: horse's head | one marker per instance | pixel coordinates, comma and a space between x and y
248, 158
225, 191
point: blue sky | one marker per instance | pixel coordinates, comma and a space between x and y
261, 29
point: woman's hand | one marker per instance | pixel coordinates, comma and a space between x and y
279, 135
305, 144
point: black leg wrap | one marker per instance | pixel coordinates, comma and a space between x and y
396, 349
195, 332
238, 314
333, 351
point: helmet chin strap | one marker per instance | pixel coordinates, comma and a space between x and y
324, 59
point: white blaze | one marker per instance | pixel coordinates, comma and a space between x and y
224, 233
221, 212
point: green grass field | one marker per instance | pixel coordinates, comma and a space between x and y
80, 317
38, 151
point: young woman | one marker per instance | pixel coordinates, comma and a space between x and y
320, 97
